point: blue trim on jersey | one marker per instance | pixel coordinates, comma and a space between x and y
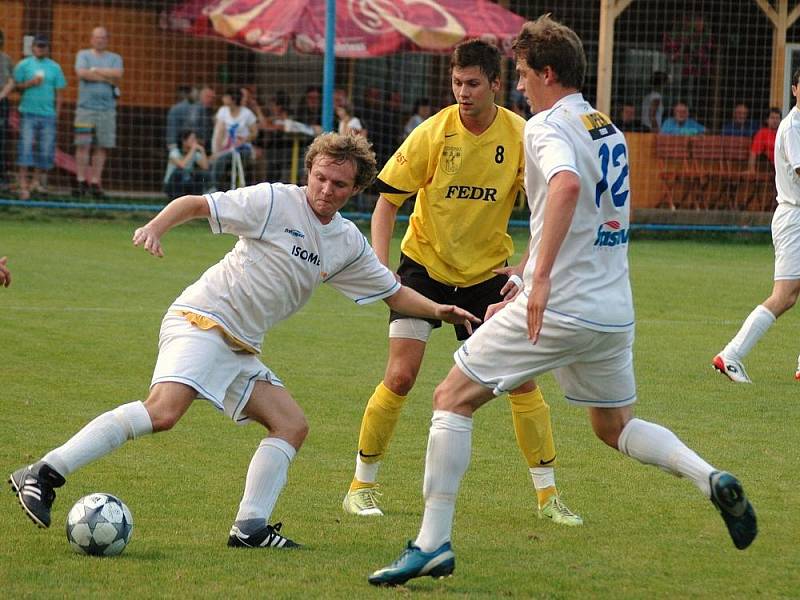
269, 214
563, 314
579, 401
216, 212
388, 292
360, 254
218, 319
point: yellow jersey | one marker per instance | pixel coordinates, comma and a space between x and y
466, 187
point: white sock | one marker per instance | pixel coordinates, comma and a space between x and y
266, 477
447, 459
653, 444
754, 326
366, 472
100, 436
543, 477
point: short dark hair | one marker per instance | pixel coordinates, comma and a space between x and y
796, 77
185, 133
421, 102
547, 43
345, 148
235, 94
477, 53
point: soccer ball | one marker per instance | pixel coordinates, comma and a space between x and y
99, 524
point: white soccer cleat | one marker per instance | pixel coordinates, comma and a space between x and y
732, 369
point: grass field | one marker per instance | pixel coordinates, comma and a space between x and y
78, 334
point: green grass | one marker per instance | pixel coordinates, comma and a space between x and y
78, 334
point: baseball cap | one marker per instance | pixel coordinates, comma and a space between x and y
40, 40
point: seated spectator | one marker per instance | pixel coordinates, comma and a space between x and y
653, 102
628, 122
422, 110
740, 124
348, 122
762, 150
187, 168
680, 123
234, 128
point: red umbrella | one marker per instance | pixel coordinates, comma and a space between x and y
364, 28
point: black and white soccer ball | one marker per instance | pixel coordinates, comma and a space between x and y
100, 525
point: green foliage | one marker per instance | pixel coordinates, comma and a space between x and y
78, 333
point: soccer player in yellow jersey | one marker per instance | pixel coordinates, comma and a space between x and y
465, 165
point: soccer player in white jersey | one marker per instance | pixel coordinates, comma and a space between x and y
291, 239
786, 239
574, 316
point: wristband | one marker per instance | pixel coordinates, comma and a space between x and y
516, 280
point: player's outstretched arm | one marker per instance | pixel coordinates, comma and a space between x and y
5, 274
412, 303
382, 228
176, 212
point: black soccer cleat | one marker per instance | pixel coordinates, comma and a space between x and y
267, 537
728, 496
34, 486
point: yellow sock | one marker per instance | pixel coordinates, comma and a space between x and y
544, 494
377, 427
532, 426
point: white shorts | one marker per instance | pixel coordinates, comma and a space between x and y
786, 239
205, 360
593, 368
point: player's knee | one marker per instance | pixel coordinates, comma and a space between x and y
162, 418
294, 430
400, 381
445, 398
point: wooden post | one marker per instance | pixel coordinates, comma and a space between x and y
781, 19
609, 11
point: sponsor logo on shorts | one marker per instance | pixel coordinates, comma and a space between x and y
296, 233
305, 255
611, 233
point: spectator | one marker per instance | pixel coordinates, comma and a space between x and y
6, 85
653, 102
627, 122
680, 123
178, 115
762, 150
40, 79
348, 122
422, 110
235, 127
740, 125
99, 72
187, 168
203, 123
309, 110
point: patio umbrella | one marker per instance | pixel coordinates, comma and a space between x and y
364, 28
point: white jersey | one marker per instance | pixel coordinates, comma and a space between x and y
282, 255
787, 159
589, 279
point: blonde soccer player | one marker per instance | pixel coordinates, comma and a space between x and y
465, 167
574, 317
291, 240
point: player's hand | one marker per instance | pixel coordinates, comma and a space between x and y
513, 286
147, 238
537, 301
5, 274
456, 316
493, 309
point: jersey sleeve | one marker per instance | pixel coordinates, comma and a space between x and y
407, 170
792, 145
364, 278
549, 146
245, 211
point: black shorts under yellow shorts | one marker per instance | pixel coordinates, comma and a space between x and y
475, 298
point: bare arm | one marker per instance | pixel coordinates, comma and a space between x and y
7, 88
100, 74
409, 302
654, 105
176, 212
5, 274
562, 197
382, 228
219, 136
